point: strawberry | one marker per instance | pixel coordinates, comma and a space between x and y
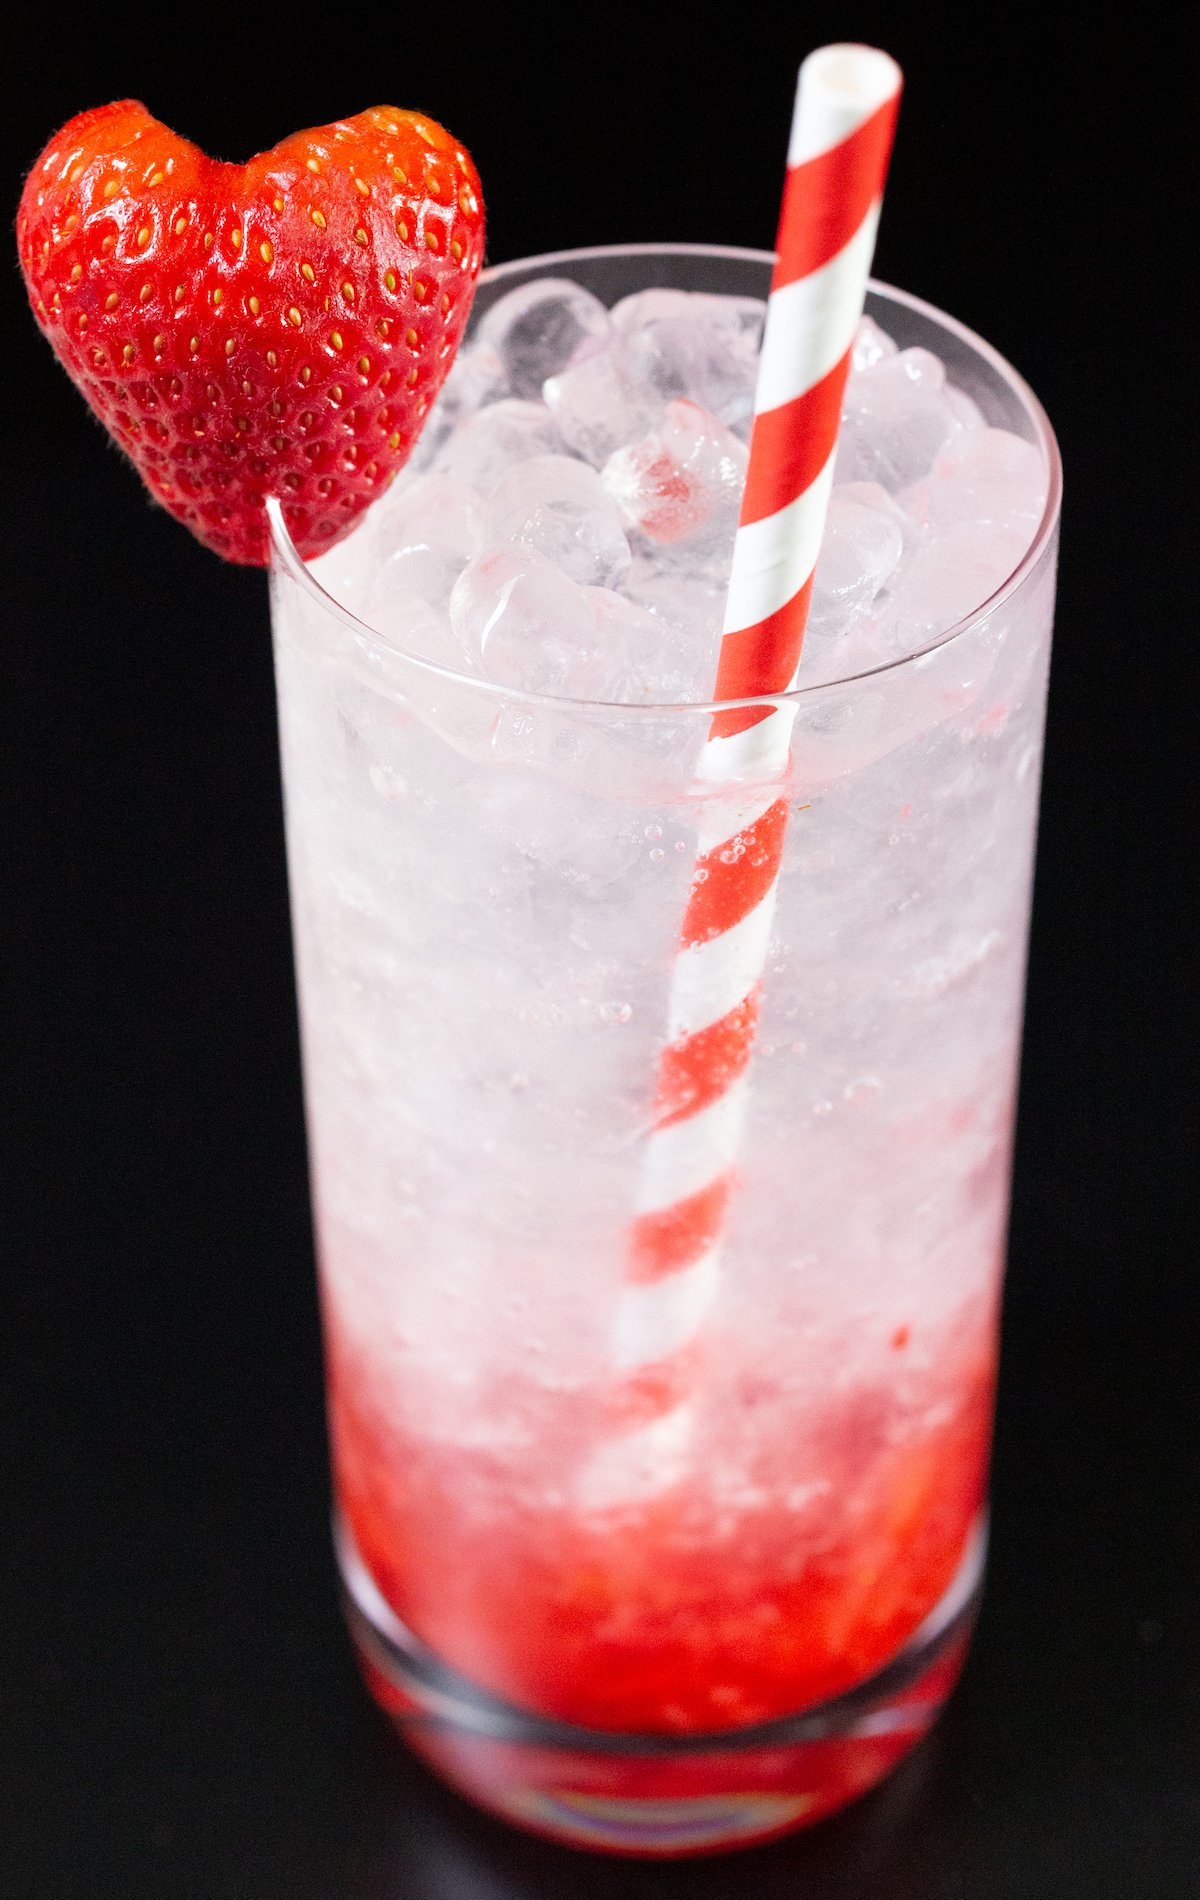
276, 328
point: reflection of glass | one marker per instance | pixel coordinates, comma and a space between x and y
896, 1845
486, 889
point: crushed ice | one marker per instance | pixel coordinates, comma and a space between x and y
567, 523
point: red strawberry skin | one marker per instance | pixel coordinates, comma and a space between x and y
275, 328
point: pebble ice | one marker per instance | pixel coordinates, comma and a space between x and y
567, 523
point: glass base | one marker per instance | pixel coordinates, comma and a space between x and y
659, 1796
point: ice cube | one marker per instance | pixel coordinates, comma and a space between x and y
561, 508
632, 663
595, 410
692, 611
988, 476
953, 573
917, 368
582, 839
681, 486
871, 345
414, 625
670, 344
486, 445
426, 532
648, 306
678, 631
861, 550
523, 623
967, 412
874, 495
476, 377
846, 728
743, 317
895, 419
439, 427
692, 603
540, 329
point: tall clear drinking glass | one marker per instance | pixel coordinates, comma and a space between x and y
487, 889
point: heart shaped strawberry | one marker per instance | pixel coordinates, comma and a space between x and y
275, 328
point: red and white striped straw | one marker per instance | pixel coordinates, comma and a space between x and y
846, 103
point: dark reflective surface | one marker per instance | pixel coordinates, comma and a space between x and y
436, 1850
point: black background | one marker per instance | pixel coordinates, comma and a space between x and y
181, 1716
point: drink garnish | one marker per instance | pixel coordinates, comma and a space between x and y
279, 328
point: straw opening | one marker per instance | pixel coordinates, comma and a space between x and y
860, 74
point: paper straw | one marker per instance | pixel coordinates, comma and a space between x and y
846, 103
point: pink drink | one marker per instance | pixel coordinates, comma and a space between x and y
487, 885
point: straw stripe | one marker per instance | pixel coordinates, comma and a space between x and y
840, 87
692, 1073
712, 978
656, 1393
731, 878
788, 443
738, 806
684, 1157
670, 1237
829, 195
846, 105
811, 322
736, 757
774, 643
774, 560
659, 1316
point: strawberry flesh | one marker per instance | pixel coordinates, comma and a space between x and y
279, 328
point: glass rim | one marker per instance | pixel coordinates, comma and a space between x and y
285, 555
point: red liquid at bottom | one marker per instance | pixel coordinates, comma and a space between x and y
666, 1625
656, 1807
